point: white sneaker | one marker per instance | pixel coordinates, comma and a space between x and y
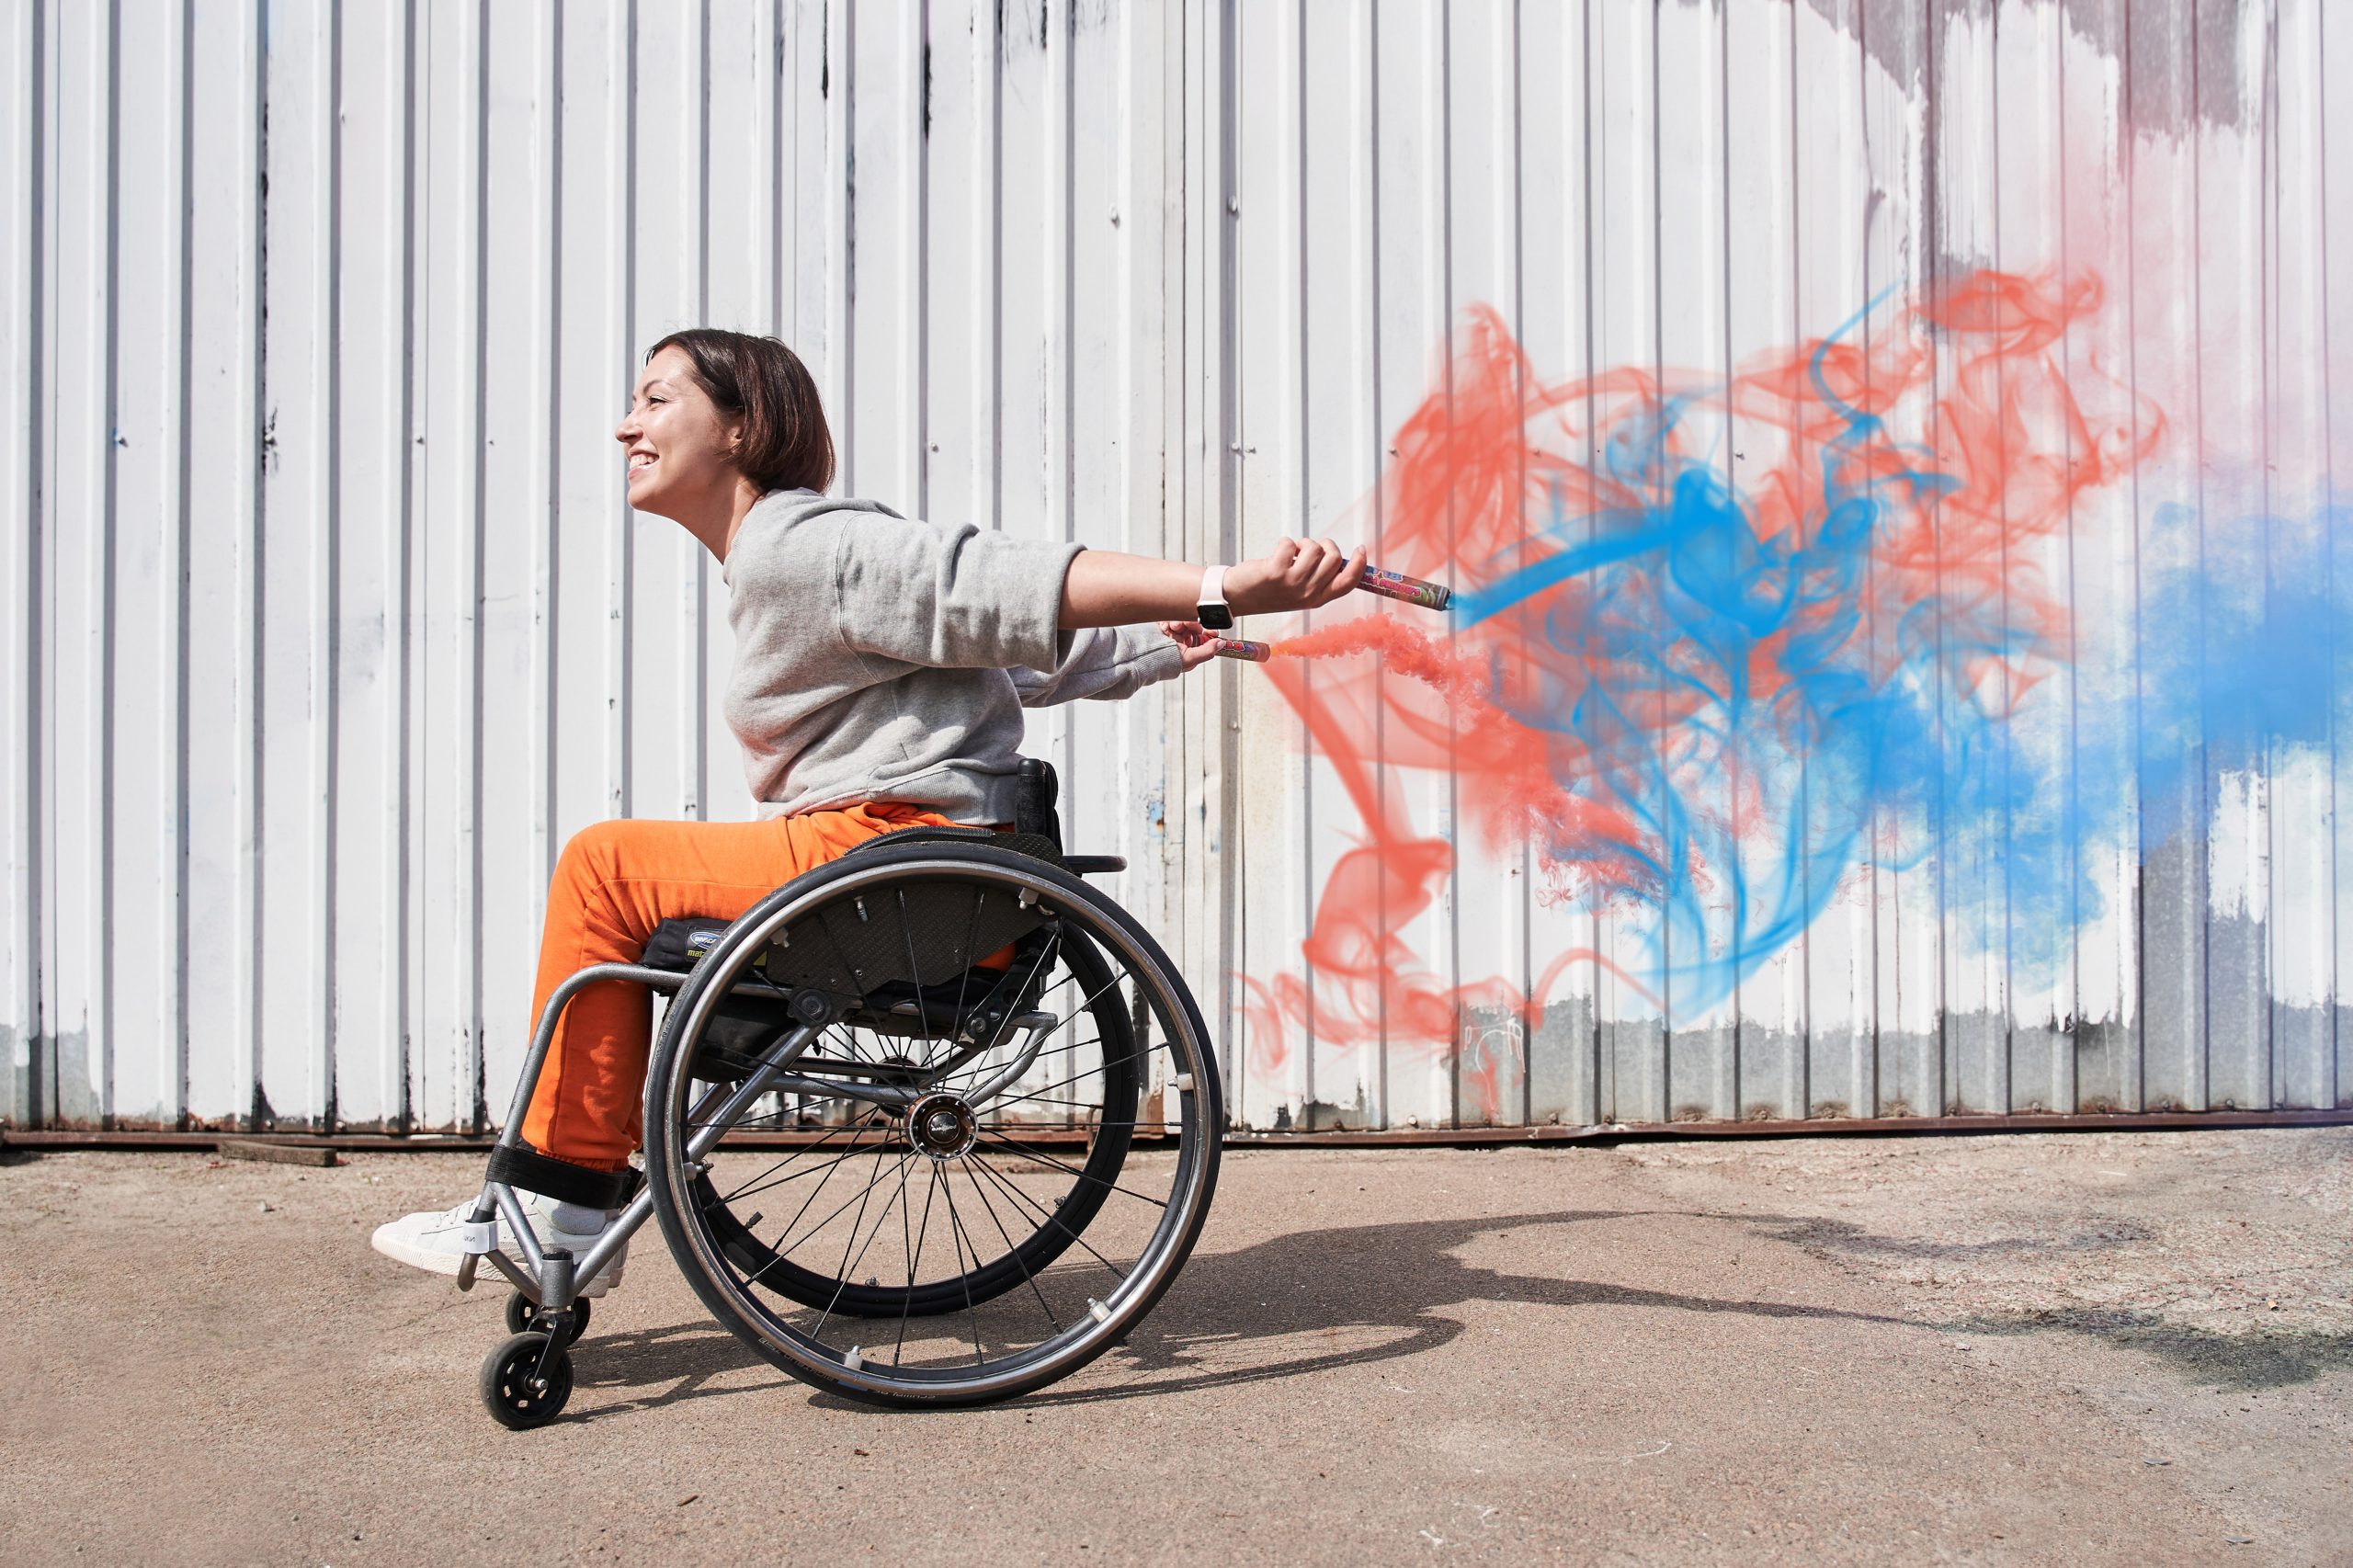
433, 1240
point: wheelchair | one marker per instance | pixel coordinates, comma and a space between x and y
936, 1123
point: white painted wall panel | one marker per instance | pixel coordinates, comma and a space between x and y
328, 624
23, 124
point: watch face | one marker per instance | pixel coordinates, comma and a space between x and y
1217, 618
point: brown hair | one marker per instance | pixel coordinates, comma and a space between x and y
759, 381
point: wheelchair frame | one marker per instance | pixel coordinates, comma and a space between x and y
527, 1380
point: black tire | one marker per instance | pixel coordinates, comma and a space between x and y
510, 1388
1142, 1248
523, 1316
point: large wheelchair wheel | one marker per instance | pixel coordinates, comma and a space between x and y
1108, 1137
1004, 1119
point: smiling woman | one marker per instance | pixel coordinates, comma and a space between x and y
881, 666
719, 419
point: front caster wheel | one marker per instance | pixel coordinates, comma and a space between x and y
523, 1315
525, 1383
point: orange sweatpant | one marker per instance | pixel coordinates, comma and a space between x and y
616, 882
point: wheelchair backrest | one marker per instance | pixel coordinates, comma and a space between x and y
1036, 791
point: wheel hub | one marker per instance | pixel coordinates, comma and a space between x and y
942, 1126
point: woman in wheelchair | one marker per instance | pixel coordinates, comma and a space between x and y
881, 667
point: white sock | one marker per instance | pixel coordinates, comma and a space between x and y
576, 1219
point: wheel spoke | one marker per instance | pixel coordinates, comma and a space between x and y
1031, 1151
781, 1249
797, 1154
971, 927
961, 1077
915, 1260
914, 974
851, 1151
1014, 1252
956, 1233
855, 1047
841, 1277
740, 1123
1025, 1200
1066, 1082
1120, 1124
1040, 1100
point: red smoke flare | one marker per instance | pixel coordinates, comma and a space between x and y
1494, 474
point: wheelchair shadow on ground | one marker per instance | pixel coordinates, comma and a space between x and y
1290, 1306
1320, 1301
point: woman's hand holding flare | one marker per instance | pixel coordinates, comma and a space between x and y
1297, 574
1106, 588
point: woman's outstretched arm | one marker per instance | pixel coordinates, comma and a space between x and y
1106, 588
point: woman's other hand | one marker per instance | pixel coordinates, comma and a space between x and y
1297, 574
1196, 643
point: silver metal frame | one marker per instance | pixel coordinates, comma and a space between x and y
498, 1199
530, 1273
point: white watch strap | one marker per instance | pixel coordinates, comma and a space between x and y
1213, 586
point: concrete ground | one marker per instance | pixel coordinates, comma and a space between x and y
2085, 1349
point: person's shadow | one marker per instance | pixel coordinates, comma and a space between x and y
1314, 1301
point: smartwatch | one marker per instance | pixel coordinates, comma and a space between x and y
1213, 611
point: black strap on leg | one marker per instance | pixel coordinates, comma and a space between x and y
562, 1180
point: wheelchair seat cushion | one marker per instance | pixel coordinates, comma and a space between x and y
1036, 845
925, 933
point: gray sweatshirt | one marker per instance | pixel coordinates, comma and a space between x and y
880, 658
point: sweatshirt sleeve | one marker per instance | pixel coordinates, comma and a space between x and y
1105, 664
948, 598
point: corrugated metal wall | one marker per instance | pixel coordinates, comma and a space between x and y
330, 624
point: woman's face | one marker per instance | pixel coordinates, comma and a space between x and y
679, 445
